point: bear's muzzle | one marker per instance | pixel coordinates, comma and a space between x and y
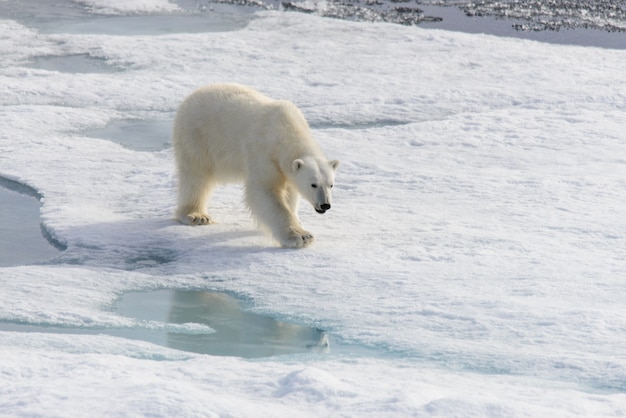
323, 208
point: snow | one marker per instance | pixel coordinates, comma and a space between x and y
476, 241
121, 7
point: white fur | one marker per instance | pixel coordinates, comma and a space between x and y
231, 133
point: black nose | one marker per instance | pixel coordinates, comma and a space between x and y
325, 206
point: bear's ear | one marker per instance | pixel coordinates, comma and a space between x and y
334, 164
297, 164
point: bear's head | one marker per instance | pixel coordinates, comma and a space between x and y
315, 179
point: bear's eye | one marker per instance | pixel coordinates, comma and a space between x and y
332, 185
314, 185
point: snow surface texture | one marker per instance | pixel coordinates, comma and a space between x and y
122, 7
476, 241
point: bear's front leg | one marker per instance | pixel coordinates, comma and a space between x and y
268, 206
297, 238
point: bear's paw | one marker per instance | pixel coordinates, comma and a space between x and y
298, 238
197, 218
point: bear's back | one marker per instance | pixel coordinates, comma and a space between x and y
222, 104
222, 116
228, 125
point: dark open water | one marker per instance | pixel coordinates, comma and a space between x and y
578, 22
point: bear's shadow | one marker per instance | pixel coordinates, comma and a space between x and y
162, 244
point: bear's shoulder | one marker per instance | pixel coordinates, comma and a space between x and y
288, 114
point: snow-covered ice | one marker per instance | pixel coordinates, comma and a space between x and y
476, 243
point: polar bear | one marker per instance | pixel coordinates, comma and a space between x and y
231, 133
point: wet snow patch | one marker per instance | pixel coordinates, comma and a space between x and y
150, 258
138, 135
23, 239
357, 125
78, 63
151, 25
222, 19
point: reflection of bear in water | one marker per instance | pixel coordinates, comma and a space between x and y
237, 333
230, 133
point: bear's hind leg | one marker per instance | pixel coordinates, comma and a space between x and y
194, 192
270, 209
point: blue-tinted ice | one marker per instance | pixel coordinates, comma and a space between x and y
22, 239
201, 322
237, 332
